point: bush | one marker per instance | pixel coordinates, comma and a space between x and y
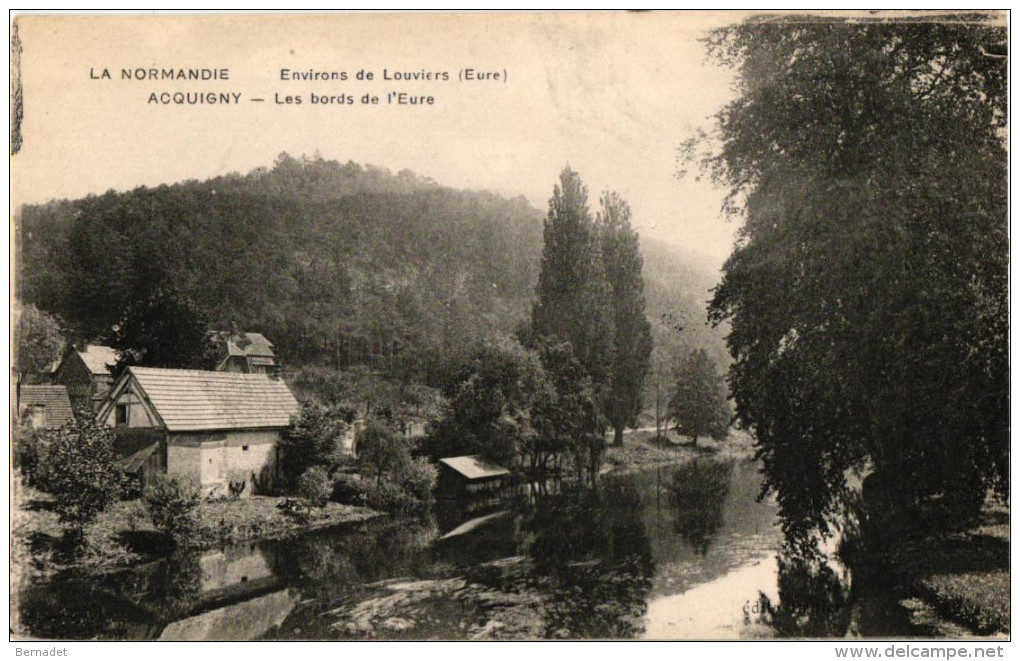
420, 481
29, 454
350, 490
389, 497
79, 471
411, 495
314, 486
171, 502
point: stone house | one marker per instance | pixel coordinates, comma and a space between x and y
221, 429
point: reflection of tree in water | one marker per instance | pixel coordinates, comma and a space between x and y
592, 559
77, 606
813, 600
327, 564
697, 493
182, 585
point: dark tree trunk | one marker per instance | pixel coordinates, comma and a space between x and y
618, 437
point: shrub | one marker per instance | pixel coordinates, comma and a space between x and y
314, 486
420, 481
389, 497
29, 454
412, 493
79, 471
171, 502
350, 490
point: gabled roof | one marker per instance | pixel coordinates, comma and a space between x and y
53, 399
97, 358
474, 467
257, 345
198, 400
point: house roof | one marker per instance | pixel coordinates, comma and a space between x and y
257, 345
197, 400
474, 467
52, 398
97, 358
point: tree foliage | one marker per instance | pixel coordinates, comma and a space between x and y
569, 419
172, 501
315, 438
382, 452
335, 262
699, 406
167, 329
315, 486
38, 341
632, 346
491, 404
79, 471
868, 289
573, 301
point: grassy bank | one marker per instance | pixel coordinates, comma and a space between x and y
962, 577
641, 451
124, 535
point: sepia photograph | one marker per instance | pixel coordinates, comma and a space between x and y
496, 326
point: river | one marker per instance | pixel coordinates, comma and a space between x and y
669, 553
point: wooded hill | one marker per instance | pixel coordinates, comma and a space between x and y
339, 264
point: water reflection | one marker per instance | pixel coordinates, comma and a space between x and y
594, 561
814, 600
670, 553
697, 492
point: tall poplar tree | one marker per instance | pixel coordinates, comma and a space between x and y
573, 297
622, 262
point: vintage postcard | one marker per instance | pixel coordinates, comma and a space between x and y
511, 326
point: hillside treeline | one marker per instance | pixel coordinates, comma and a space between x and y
338, 264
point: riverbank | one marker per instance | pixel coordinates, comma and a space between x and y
124, 535
640, 451
963, 577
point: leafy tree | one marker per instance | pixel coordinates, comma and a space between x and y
699, 406
574, 302
632, 348
167, 329
315, 438
171, 501
568, 418
80, 473
38, 340
382, 451
868, 289
491, 402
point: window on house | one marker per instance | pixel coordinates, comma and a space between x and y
244, 448
121, 414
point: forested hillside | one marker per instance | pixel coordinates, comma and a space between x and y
339, 264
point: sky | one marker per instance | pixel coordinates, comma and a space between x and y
612, 95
